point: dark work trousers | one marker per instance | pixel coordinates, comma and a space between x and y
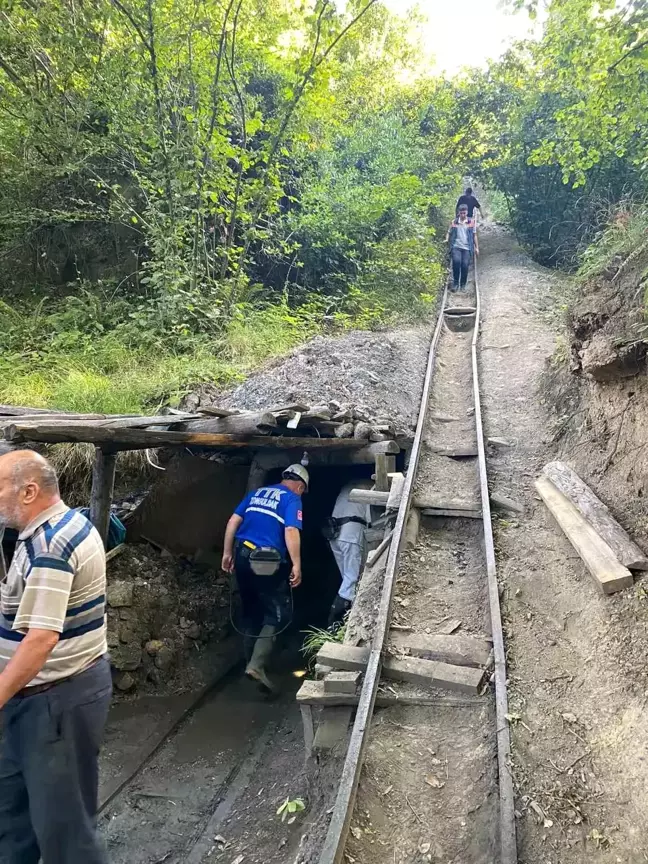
460, 265
265, 599
49, 774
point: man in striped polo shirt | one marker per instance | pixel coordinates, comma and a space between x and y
55, 682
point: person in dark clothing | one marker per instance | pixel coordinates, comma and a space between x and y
462, 238
470, 201
263, 548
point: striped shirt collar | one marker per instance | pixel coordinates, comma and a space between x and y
45, 515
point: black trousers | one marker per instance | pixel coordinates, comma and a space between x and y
265, 599
460, 266
49, 773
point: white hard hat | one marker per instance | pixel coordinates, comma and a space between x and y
297, 472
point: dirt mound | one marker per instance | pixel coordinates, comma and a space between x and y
379, 373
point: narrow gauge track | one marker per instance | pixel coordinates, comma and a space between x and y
477, 794
174, 799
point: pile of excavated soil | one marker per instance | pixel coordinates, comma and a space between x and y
163, 612
378, 373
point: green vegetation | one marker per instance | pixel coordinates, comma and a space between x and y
189, 189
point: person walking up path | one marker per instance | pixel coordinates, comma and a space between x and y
462, 237
55, 682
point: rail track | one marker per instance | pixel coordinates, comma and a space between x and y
199, 763
453, 359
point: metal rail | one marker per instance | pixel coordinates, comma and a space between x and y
333, 850
334, 844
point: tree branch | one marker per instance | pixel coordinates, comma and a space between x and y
632, 50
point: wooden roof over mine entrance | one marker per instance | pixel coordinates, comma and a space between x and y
328, 433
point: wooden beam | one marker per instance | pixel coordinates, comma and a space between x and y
609, 575
258, 423
138, 439
460, 650
342, 682
369, 452
103, 484
313, 693
597, 514
438, 502
455, 451
369, 496
396, 491
385, 465
423, 673
96, 421
458, 514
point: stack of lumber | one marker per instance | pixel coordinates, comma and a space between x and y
604, 546
295, 420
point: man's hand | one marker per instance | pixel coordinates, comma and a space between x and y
295, 576
227, 564
476, 252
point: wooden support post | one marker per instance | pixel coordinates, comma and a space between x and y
103, 484
385, 464
257, 475
309, 731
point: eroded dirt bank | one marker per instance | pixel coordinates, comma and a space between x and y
577, 680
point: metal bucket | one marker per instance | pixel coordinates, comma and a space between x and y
460, 319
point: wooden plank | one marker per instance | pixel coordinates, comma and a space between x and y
448, 627
369, 496
396, 491
609, 575
597, 514
461, 650
342, 682
113, 553
439, 502
412, 528
313, 693
22, 410
454, 451
103, 484
425, 673
339, 656
505, 503
99, 421
375, 554
333, 729
214, 411
369, 452
458, 514
137, 439
309, 732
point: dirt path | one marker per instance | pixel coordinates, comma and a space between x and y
579, 728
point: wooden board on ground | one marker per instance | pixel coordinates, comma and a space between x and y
424, 673
597, 514
313, 693
457, 514
448, 627
504, 503
609, 575
455, 451
461, 650
426, 501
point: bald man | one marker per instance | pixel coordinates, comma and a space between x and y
55, 683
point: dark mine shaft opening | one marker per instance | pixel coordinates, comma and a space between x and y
320, 574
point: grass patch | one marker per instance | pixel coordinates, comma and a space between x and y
623, 237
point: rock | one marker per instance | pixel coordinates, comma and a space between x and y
362, 431
193, 630
605, 362
126, 658
346, 430
124, 681
153, 647
164, 658
128, 633
113, 638
120, 594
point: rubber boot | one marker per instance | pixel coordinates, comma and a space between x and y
262, 650
249, 641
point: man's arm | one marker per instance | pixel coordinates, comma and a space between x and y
293, 543
228, 544
27, 662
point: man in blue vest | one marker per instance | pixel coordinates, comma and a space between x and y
263, 548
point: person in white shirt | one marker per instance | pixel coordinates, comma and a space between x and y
349, 524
